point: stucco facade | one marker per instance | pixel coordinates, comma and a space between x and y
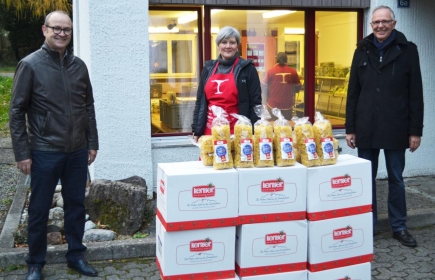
112, 38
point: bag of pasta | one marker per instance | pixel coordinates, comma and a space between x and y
336, 147
306, 144
220, 133
282, 140
324, 140
205, 143
263, 139
243, 142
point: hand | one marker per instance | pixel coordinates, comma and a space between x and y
414, 143
195, 138
24, 166
92, 154
350, 139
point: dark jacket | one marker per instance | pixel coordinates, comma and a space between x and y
249, 93
385, 99
58, 101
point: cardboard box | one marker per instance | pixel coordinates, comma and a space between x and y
193, 196
272, 194
339, 190
295, 275
203, 253
354, 272
268, 248
340, 242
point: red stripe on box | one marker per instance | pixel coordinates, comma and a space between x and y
272, 217
322, 215
198, 224
211, 275
270, 269
340, 263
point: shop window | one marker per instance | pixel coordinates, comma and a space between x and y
176, 53
264, 34
336, 36
174, 69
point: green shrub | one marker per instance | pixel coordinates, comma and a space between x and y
5, 99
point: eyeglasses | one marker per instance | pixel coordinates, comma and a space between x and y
384, 22
57, 30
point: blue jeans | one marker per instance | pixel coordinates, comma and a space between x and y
395, 163
46, 170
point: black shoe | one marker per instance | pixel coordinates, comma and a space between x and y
34, 273
83, 267
405, 238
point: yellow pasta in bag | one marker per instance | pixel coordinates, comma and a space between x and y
306, 143
206, 149
324, 140
243, 142
263, 139
336, 148
282, 140
222, 158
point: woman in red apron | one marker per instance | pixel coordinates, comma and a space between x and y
229, 82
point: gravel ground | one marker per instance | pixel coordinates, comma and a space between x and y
9, 175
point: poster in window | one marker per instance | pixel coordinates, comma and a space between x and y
255, 52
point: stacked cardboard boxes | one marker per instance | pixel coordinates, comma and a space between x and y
196, 217
271, 238
265, 223
340, 222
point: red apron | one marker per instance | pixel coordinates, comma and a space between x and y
221, 90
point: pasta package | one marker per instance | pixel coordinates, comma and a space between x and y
282, 140
324, 140
336, 148
206, 149
222, 158
243, 142
263, 139
306, 143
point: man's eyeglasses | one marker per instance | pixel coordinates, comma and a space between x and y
384, 22
58, 30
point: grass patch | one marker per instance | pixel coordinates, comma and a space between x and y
6, 201
7, 69
5, 99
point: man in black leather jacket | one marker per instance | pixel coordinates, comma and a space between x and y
53, 92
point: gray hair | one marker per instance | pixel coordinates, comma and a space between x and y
227, 32
385, 7
47, 18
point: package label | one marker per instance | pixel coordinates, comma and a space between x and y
246, 148
186, 256
265, 147
286, 148
340, 188
261, 247
203, 198
328, 148
310, 146
342, 239
221, 151
271, 192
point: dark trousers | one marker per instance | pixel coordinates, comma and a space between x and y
47, 168
395, 163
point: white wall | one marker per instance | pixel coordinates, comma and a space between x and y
113, 41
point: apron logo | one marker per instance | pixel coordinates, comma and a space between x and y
219, 82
